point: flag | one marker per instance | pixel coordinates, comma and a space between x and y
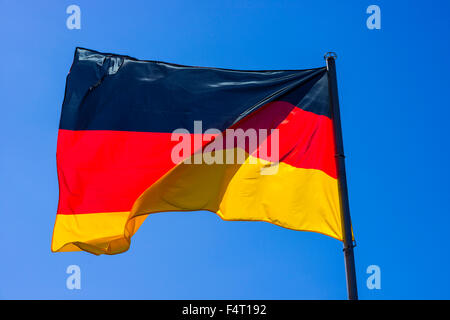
139, 137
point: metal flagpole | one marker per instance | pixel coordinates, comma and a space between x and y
346, 222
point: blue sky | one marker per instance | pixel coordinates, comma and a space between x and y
394, 89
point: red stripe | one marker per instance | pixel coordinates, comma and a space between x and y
106, 171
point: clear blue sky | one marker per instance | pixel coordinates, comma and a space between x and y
394, 90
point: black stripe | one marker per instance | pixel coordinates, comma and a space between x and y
115, 92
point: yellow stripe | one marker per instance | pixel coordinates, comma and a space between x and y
94, 232
294, 198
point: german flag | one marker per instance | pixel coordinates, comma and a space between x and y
139, 137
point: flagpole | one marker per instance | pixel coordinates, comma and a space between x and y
346, 223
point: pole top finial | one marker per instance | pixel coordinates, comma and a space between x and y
330, 54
